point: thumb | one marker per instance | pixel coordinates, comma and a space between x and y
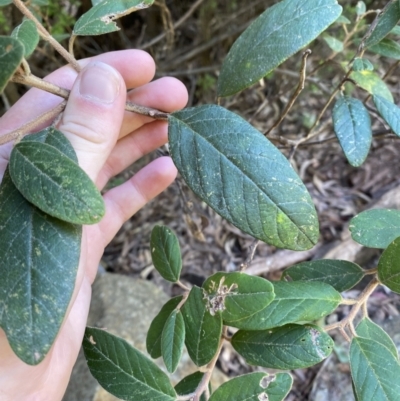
93, 116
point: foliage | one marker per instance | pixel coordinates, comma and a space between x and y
45, 198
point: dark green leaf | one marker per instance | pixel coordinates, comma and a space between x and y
28, 35
203, 331
55, 184
189, 384
388, 19
101, 18
255, 386
375, 228
172, 340
371, 82
278, 33
352, 126
387, 48
153, 339
368, 329
335, 44
124, 371
375, 371
389, 112
11, 55
237, 295
242, 176
166, 253
340, 274
296, 301
361, 64
289, 347
389, 266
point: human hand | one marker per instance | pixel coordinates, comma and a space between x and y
107, 140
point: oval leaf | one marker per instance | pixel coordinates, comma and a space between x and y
124, 371
166, 253
256, 386
55, 184
375, 371
371, 82
28, 35
340, 274
242, 176
203, 331
11, 55
389, 266
271, 39
288, 347
352, 126
237, 295
361, 64
153, 339
295, 301
335, 44
387, 48
100, 18
172, 340
189, 384
389, 112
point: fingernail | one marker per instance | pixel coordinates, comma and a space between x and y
99, 82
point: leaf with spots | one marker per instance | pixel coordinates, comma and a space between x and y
28, 35
389, 112
289, 347
124, 371
257, 386
11, 55
372, 83
389, 266
242, 176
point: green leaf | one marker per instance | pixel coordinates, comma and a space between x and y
352, 126
38, 265
124, 371
375, 228
340, 274
296, 301
166, 253
172, 340
28, 35
387, 48
55, 184
395, 30
388, 19
242, 176
5, 2
95, 2
189, 384
289, 347
255, 386
11, 55
361, 64
203, 331
361, 8
343, 20
368, 329
101, 18
237, 295
271, 39
375, 371
153, 339
389, 112
389, 266
335, 44
371, 82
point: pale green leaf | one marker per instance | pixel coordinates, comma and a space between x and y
343, 20
124, 371
352, 126
340, 274
11, 55
100, 19
361, 8
387, 48
166, 253
242, 176
28, 35
5, 2
237, 295
96, 2
389, 112
203, 331
335, 44
289, 347
361, 64
375, 371
255, 386
376, 228
389, 266
55, 184
278, 33
371, 82
395, 30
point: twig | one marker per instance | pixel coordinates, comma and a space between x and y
250, 257
297, 92
46, 35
